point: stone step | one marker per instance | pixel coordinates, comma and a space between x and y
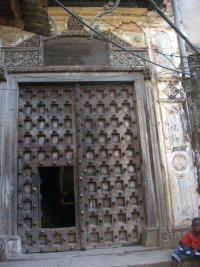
106, 257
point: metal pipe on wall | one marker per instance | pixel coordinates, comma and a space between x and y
177, 22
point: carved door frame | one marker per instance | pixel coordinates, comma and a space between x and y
152, 212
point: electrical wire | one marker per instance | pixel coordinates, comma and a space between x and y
166, 56
173, 55
127, 30
114, 43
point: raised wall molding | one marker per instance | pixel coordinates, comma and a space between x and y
175, 91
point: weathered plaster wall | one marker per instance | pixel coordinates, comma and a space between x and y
190, 14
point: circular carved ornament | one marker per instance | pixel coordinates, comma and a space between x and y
180, 162
2, 245
165, 235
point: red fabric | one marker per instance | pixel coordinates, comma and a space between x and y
190, 239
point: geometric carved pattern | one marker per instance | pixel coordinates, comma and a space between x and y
29, 58
94, 128
125, 59
46, 138
33, 41
111, 164
74, 24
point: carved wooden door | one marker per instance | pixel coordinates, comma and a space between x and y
112, 190
79, 179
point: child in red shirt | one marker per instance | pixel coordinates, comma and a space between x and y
189, 244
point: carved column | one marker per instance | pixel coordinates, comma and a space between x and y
151, 204
9, 241
179, 154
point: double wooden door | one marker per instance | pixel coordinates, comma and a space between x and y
79, 167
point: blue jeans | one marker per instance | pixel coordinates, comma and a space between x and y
178, 253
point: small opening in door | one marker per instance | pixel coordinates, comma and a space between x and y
57, 197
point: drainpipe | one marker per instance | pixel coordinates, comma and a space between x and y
186, 70
183, 54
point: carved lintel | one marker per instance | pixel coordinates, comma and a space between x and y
3, 73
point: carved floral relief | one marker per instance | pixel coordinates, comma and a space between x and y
21, 58
173, 127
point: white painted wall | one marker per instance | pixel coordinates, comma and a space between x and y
190, 14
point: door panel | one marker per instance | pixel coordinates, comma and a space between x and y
79, 153
111, 165
46, 148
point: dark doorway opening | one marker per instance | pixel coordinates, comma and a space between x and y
57, 197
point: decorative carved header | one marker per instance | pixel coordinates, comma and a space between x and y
30, 53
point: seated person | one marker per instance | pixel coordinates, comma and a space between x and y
189, 244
